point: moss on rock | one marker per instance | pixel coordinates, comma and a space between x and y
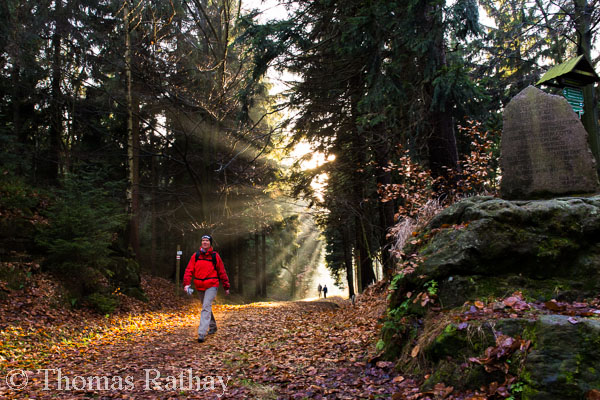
563, 363
484, 248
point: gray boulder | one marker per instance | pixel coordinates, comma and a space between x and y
481, 250
488, 246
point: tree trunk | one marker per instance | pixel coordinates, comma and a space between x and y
153, 194
207, 156
386, 209
357, 156
358, 263
235, 268
362, 238
16, 109
132, 146
53, 167
348, 260
135, 177
263, 268
443, 155
367, 275
242, 256
441, 144
257, 289
293, 282
583, 27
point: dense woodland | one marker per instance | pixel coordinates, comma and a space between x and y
128, 128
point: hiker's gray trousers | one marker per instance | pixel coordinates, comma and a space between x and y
207, 319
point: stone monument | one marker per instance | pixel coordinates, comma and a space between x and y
544, 149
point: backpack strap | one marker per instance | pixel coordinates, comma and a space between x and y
213, 257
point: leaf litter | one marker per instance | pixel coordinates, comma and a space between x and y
271, 350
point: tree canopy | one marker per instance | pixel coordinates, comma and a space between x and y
170, 103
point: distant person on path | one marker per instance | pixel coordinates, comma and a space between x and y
319, 288
325, 291
206, 269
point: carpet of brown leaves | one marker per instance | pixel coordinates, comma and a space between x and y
271, 350
320, 349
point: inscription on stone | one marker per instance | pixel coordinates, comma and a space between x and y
544, 149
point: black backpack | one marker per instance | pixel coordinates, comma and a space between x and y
213, 256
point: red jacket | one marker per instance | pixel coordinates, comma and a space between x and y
204, 272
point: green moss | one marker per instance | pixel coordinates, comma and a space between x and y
554, 248
452, 374
445, 372
448, 338
449, 343
485, 287
569, 377
520, 235
545, 290
389, 330
394, 335
528, 392
529, 333
537, 249
462, 288
449, 329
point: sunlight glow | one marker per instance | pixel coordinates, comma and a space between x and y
312, 159
323, 277
316, 160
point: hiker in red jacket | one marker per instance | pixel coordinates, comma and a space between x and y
207, 270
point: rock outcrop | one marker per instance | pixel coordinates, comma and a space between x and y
486, 292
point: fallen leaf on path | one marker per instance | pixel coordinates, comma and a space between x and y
552, 305
510, 301
415, 351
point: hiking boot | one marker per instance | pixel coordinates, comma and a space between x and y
200, 339
212, 331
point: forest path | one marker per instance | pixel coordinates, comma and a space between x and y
287, 350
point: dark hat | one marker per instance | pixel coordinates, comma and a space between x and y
209, 238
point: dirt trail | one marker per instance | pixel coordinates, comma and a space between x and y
290, 350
